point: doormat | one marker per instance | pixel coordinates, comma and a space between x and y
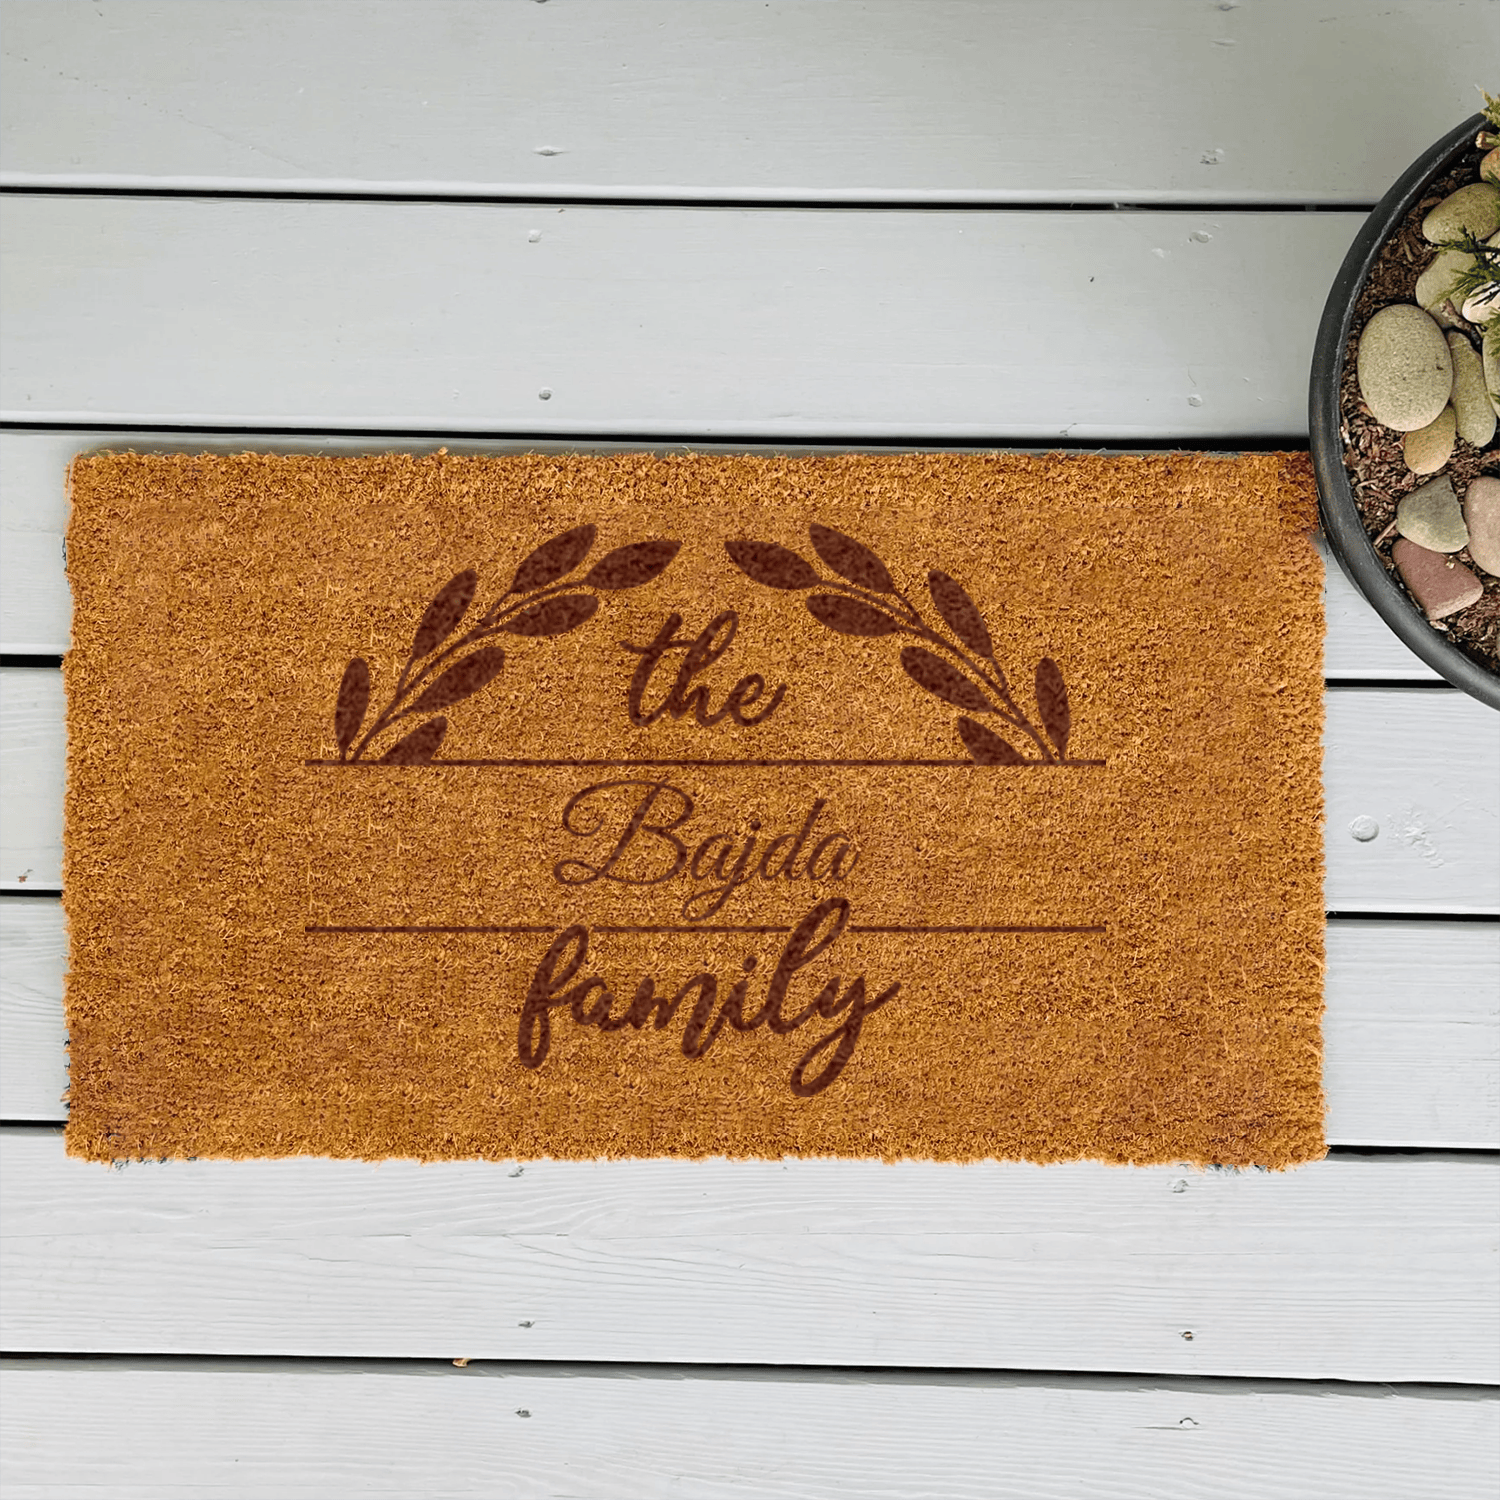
924, 806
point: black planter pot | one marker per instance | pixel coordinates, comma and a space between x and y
1341, 519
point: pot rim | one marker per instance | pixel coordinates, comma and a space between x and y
1342, 523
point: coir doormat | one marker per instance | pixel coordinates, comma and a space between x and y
614, 806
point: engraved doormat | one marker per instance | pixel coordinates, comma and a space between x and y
937, 806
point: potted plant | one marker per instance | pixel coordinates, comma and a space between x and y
1404, 403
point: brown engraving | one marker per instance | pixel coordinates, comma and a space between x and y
1052, 703
850, 559
432, 679
354, 699
935, 676
417, 748
987, 748
960, 613
647, 849
629, 567
699, 654
554, 559
590, 1002
971, 679
776, 567
849, 616
555, 616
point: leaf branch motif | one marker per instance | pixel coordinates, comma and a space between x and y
863, 600
539, 602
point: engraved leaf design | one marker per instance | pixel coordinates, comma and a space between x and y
849, 616
961, 613
417, 748
1052, 703
461, 680
987, 748
629, 567
775, 566
553, 560
942, 681
354, 699
554, 616
850, 559
444, 612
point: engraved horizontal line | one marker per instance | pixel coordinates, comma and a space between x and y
1030, 765
854, 927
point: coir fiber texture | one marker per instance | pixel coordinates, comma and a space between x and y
936, 806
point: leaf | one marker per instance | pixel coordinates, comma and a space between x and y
462, 679
1052, 703
776, 567
849, 616
354, 699
986, 748
417, 748
444, 612
553, 560
938, 678
963, 617
850, 559
628, 567
554, 616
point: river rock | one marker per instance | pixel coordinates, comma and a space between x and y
1489, 164
1474, 209
1441, 585
1482, 512
1405, 370
1428, 448
1475, 415
1438, 281
1490, 359
1430, 517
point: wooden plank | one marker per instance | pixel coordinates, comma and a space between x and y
1425, 765
1086, 102
33, 1035
33, 743
903, 325
35, 608
1411, 1034
145, 1429
1356, 1268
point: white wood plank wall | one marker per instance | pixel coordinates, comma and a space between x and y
233, 224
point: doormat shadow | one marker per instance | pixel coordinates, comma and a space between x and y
934, 806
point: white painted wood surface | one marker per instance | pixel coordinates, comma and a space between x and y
1424, 764
1375, 1268
1411, 1034
35, 608
1076, 101
236, 1430
901, 325
33, 743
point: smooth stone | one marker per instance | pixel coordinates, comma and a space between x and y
1482, 512
1489, 165
1430, 517
1447, 315
1482, 306
1405, 370
1428, 448
1439, 584
1490, 359
1474, 209
1471, 406
1437, 283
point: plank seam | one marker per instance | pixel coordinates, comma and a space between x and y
977, 1375
14, 187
